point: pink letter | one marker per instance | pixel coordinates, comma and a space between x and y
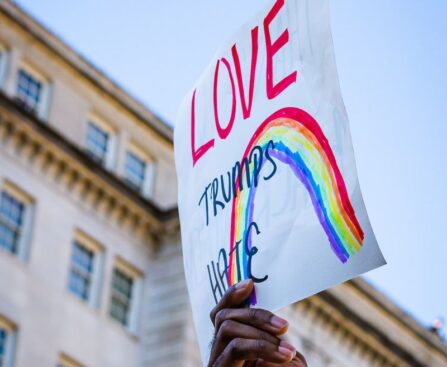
272, 49
246, 110
197, 154
223, 132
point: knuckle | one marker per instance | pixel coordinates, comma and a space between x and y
263, 335
253, 314
221, 316
225, 328
259, 346
219, 336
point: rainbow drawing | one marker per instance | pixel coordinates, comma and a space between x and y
299, 142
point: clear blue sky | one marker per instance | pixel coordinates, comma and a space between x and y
392, 60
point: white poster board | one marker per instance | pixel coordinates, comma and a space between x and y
267, 181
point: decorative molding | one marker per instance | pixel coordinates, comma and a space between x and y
45, 151
365, 289
85, 69
353, 332
344, 333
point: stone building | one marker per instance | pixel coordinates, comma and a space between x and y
90, 258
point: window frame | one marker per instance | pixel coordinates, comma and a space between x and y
148, 184
109, 160
84, 240
19, 195
11, 341
137, 277
42, 107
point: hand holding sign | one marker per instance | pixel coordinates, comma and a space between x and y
248, 336
268, 188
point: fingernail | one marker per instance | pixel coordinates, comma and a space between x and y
243, 284
286, 352
278, 322
288, 346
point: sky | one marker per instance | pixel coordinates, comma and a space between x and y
392, 60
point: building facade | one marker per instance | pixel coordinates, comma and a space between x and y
91, 270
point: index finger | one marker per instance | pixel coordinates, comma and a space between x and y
234, 297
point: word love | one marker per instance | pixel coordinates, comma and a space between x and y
223, 189
233, 71
218, 272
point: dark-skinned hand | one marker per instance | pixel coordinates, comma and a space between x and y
249, 337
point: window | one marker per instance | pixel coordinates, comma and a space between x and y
28, 90
11, 220
139, 171
97, 141
135, 170
121, 296
3, 335
124, 295
81, 271
100, 143
7, 343
65, 361
85, 269
3, 57
15, 210
32, 91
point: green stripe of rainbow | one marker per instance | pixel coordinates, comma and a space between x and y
299, 142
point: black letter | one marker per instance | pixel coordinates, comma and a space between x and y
226, 198
223, 274
216, 287
205, 195
270, 145
251, 252
215, 190
258, 162
237, 175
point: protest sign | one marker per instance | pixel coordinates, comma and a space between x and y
267, 182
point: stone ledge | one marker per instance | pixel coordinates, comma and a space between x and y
48, 152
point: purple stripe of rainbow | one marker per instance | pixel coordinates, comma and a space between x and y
345, 238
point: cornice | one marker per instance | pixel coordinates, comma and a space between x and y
86, 69
326, 320
398, 314
366, 338
44, 149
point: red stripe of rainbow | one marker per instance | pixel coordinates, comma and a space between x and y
300, 143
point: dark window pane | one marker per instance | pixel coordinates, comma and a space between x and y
3, 335
81, 271
28, 89
135, 170
97, 141
11, 222
121, 296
